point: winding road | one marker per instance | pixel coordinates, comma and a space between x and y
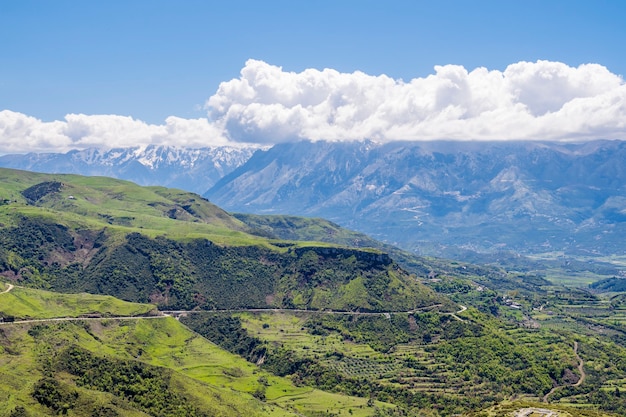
463, 308
581, 363
57, 319
581, 369
177, 313
166, 313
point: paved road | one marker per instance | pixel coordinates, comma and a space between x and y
291, 310
57, 319
178, 313
463, 308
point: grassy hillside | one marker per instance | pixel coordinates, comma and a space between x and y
424, 363
27, 303
143, 367
356, 333
119, 206
122, 367
304, 228
430, 363
177, 250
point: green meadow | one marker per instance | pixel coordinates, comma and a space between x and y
28, 303
123, 207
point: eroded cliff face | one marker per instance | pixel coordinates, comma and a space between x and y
373, 259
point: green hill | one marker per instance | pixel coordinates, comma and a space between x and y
139, 368
27, 303
299, 228
428, 269
177, 250
133, 366
345, 329
120, 206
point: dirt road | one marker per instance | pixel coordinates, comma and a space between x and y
581, 363
581, 369
9, 288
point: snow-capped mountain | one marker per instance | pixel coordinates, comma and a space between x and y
185, 168
428, 196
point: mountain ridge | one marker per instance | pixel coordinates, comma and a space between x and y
432, 198
179, 251
520, 196
192, 169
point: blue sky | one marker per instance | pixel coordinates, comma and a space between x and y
154, 59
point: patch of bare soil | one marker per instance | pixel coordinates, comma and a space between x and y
86, 246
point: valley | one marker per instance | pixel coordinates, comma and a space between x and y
312, 208
158, 290
311, 355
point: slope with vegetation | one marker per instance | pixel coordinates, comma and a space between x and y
113, 365
177, 250
424, 363
351, 331
519, 315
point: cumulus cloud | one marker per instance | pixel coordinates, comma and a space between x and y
528, 100
20, 133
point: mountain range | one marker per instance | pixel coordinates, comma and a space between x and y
191, 169
117, 299
435, 198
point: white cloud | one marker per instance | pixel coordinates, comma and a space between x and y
528, 100
20, 133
